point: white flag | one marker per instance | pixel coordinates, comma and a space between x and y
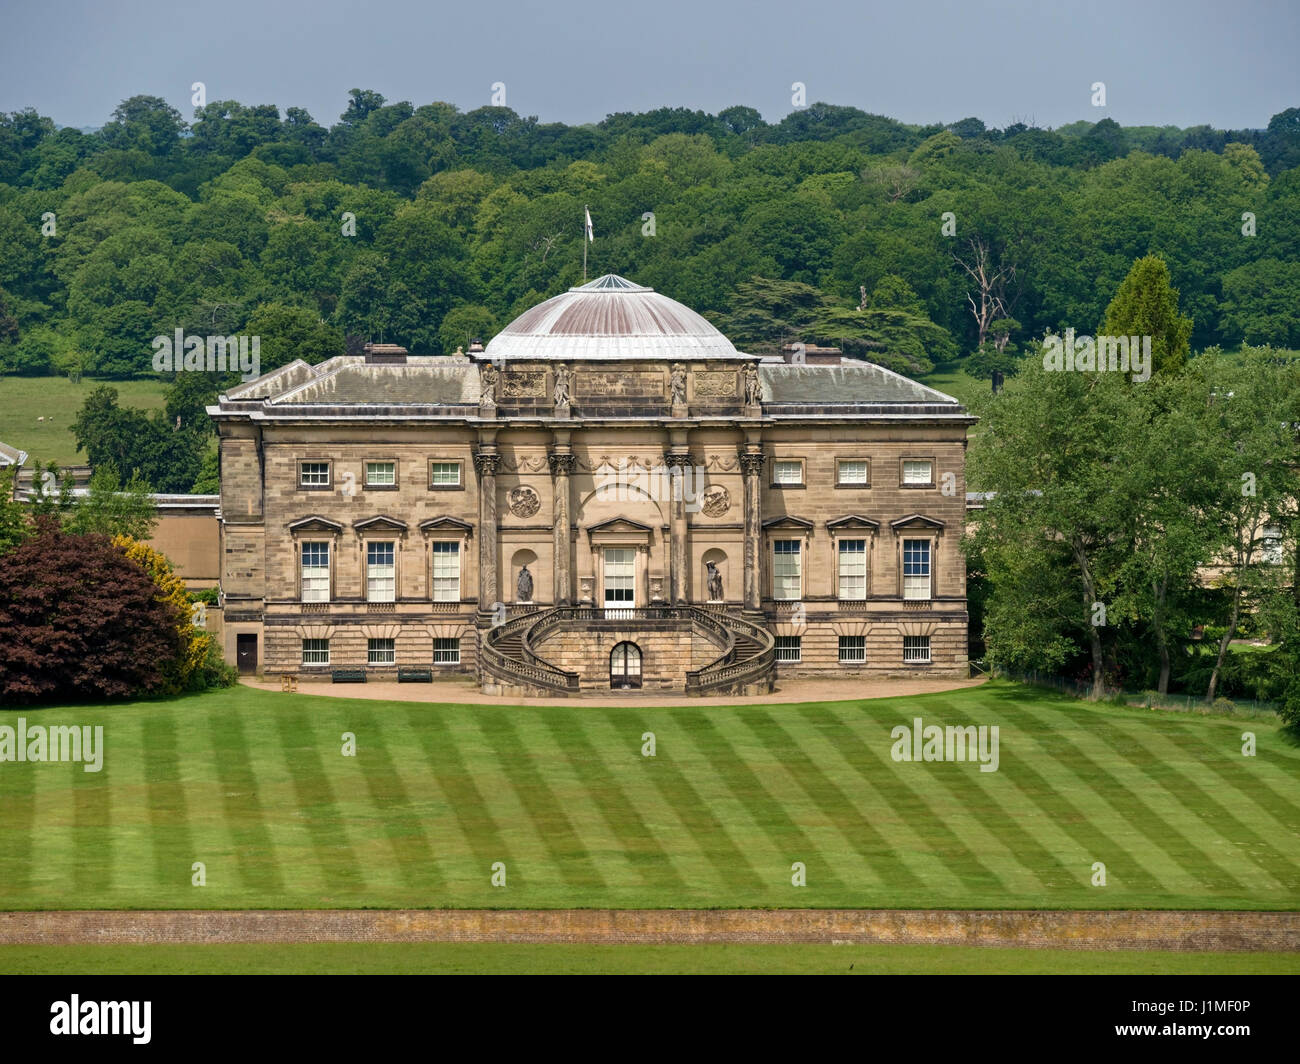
590, 235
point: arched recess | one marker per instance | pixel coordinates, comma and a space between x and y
518, 560
625, 666
718, 557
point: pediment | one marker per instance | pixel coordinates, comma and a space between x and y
445, 524
917, 521
315, 523
788, 521
853, 523
618, 524
380, 523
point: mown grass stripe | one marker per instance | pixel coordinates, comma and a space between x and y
677, 791
53, 850
914, 808
467, 803
1237, 782
1151, 799
580, 796
547, 814
1067, 750
874, 863
92, 805
18, 824
619, 740
1078, 816
173, 846
397, 816
527, 852
983, 817
256, 857
1185, 791
916, 868
317, 804
785, 836
623, 823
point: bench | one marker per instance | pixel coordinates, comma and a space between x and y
348, 676
411, 674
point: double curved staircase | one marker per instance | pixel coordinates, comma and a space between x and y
745, 662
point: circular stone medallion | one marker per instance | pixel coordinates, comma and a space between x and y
524, 502
717, 500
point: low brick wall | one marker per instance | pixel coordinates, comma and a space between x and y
1196, 931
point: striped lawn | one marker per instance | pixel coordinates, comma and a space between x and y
254, 786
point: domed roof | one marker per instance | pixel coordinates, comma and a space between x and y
610, 318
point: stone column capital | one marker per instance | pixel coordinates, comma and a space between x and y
488, 464
751, 463
561, 464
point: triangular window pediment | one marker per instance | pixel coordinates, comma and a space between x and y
315, 524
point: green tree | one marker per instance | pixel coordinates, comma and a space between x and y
111, 509
1054, 534
465, 323
1147, 305
289, 333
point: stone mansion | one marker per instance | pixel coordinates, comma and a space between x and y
608, 495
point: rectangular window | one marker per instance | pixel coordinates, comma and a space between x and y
381, 652
918, 471
852, 471
446, 572
916, 568
381, 571
787, 472
1271, 546
853, 569
787, 572
788, 648
313, 474
315, 651
916, 650
853, 649
444, 474
620, 581
446, 651
315, 572
381, 474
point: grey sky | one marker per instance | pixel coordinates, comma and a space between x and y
1225, 64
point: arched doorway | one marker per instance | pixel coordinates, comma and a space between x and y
625, 666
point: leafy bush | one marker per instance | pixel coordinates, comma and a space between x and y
80, 620
183, 672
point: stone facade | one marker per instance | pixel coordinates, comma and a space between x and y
366, 501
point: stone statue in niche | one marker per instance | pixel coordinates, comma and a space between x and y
561, 385
714, 581
677, 385
753, 390
488, 377
525, 585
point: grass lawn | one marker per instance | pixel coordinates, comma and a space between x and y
407, 958
952, 379
24, 399
253, 784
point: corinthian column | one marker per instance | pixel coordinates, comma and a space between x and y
561, 469
751, 467
486, 464
677, 575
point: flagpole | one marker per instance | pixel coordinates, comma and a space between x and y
586, 213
